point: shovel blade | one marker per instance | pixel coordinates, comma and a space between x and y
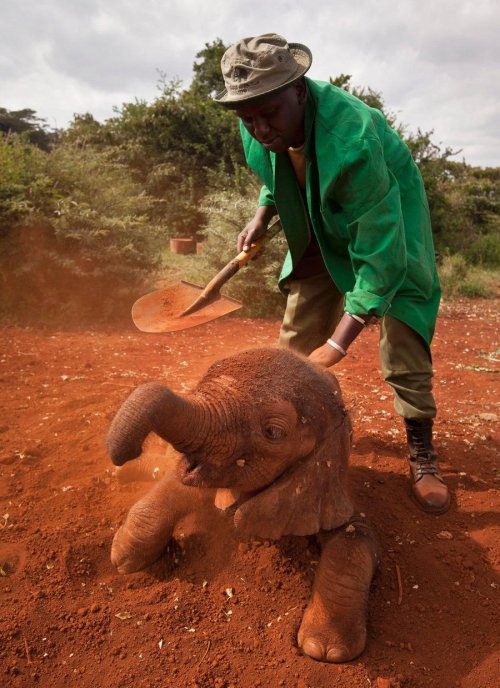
161, 311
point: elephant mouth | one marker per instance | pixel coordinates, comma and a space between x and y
191, 475
196, 474
204, 474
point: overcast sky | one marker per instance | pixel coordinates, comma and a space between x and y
436, 62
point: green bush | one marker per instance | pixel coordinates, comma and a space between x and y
256, 285
78, 235
469, 222
475, 289
21, 175
452, 274
485, 250
458, 278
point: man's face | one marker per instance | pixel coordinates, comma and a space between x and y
277, 122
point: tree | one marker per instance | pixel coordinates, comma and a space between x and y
26, 122
207, 79
85, 130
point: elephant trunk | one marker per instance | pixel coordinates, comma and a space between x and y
154, 408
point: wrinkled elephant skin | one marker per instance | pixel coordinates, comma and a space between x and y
266, 437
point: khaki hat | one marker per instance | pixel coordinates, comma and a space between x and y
257, 67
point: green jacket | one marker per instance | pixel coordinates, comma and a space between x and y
366, 204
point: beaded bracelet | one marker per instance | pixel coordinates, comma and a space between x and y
336, 346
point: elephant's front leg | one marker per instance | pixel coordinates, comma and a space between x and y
333, 628
151, 521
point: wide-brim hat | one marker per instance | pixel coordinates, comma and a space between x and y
256, 67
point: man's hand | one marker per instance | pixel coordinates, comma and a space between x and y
253, 231
325, 356
256, 227
345, 333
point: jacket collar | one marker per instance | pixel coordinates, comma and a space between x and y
310, 116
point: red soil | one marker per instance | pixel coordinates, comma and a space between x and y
68, 619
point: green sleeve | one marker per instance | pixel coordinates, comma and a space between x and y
266, 197
369, 196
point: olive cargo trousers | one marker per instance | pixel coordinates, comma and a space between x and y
313, 309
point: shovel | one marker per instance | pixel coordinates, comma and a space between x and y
185, 305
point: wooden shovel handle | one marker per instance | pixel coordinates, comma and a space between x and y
245, 257
211, 291
235, 264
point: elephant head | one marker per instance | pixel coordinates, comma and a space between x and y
267, 425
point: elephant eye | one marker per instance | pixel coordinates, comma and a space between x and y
274, 432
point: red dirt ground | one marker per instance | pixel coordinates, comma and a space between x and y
68, 619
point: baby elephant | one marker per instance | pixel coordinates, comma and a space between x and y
265, 436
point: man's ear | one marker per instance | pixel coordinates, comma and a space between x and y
307, 498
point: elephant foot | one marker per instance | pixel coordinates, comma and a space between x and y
146, 532
131, 552
333, 628
150, 523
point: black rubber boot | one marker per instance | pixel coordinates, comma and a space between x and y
428, 487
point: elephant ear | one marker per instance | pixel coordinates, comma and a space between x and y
311, 496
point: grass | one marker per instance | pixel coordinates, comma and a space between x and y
489, 278
459, 279
189, 267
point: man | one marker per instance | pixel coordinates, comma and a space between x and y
353, 208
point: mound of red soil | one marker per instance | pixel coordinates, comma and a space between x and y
212, 612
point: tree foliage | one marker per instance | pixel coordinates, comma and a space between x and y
75, 228
85, 213
207, 76
26, 122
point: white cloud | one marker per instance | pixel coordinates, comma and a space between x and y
436, 63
